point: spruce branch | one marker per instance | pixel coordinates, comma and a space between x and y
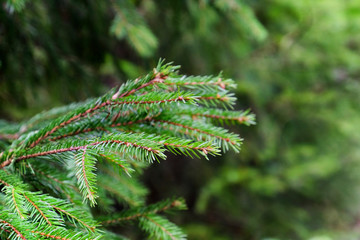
50, 232
198, 131
12, 180
159, 227
219, 115
130, 191
63, 161
40, 211
75, 216
85, 166
138, 100
206, 130
135, 213
16, 228
15, 202
52, 179
159, 78
119, 161
131, 143
205, 82
15, 231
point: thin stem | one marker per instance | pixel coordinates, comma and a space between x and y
219, 83
16, 206
112, 160
239, 119
3, 182
18, 233
174, 203
49, 235
38, 209
74, 217
107, 103
160, 226
158, 79
194, 129
56, 151
84, 171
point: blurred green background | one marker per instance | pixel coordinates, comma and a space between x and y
297, 66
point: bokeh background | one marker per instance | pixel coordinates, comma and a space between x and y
297, 66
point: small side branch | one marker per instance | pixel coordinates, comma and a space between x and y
107, 103
159, 78
18, 233
56, 151
38, 209
195, 129
173, 204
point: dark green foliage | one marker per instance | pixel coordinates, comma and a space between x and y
60, 162
298, 174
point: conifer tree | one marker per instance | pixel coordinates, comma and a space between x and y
66, 172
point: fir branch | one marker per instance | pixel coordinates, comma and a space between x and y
15, 202
134, 142
16, 228
135, 213
160, 228
41, 207
116, 159
51, 178
185, 146
121, 193
205, 81
79, 131
222, 116
208, 99
54, 179
50, 235
171, 144
12, 180
221, 136
158, 99
76, 216
132, 100
123, 188
101, 125
90, 143
224, 99
38, 209
159, 78
85, 166
240, 120
63, 233
19, 235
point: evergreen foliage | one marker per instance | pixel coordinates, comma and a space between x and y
66, 171
296, 63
